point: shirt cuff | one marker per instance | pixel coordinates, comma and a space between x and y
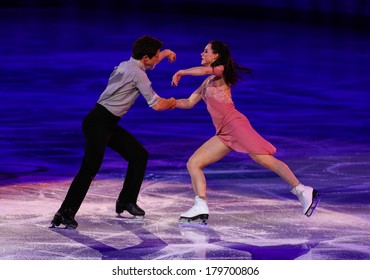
154, 100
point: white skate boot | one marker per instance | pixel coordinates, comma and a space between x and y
308, 197
198, 214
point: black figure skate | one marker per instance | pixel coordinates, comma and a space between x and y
65, 217
130, 207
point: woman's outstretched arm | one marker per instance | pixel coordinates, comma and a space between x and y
188, 103
194, 98
197, 71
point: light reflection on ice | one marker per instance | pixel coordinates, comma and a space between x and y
261, 226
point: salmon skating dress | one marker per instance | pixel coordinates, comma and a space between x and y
232, 127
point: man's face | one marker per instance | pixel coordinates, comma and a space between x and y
149, 63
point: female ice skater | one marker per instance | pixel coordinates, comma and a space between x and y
233, 131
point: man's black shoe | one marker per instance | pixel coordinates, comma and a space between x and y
130, 207
65, 217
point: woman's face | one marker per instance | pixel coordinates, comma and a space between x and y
208, 57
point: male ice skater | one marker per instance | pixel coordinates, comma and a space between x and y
101, 129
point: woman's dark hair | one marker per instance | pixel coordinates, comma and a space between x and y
231, 68
146, 45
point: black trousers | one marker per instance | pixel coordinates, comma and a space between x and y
101, 130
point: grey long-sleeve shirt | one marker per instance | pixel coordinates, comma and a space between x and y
125, 84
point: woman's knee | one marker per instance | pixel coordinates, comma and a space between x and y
192, 164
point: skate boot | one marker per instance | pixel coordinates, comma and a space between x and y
308, 197
65, 217
198, 214
130, 207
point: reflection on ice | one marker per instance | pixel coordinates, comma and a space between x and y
256, 226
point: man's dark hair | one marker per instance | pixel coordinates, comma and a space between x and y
146, 45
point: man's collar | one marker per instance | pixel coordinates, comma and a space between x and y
138, 62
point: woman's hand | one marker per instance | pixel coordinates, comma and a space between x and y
176, 78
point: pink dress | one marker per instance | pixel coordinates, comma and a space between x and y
232, 127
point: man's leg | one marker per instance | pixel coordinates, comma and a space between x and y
137, 156
92, 160
97, 134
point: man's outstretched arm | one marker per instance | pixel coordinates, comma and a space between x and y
167, 53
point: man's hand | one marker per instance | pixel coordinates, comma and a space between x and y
171, 56
167, 53
165, 104
171, 103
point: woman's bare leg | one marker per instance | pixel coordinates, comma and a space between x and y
211, 151
308, 197
277, 166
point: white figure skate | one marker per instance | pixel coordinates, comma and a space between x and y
198, 214
308, 197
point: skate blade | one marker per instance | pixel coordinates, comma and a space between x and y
315, 201
70, 227
55, 225
65, 227
132, 219
198, 220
